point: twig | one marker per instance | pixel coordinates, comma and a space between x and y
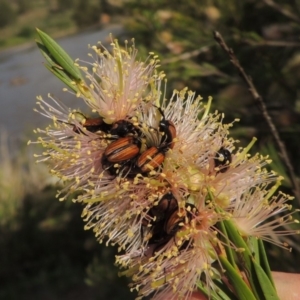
282, 10
259, 100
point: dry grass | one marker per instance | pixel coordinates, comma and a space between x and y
19, 176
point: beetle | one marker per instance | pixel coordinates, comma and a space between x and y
123, 128
153, 157
90, 124
158, 212
167, 227
166, 204
96, 124
223, 159
120, 128
150, 159
178, 216
118, 154
168, 128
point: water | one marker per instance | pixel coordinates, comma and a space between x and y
23, 77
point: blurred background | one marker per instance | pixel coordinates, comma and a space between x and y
44, 251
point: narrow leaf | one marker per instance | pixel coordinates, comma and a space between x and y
60, 56
216, 294
62, 76
46, 54
254, 248
266, 285
264, 261
244, 255
238, 241
225, 239
224, 292
242, 290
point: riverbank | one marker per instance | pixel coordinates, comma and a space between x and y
23, 76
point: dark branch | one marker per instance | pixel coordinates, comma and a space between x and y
259, 101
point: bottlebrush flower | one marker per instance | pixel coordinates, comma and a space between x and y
75, 153
161, 187
172, 265
260, 214
73, 156
119, 83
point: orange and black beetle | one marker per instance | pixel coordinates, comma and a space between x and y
179, 217
168, 129
90, 124
167, 228
166, 205
123, 128
119, 154
157, 213
150, 159
119, 128
153, 157
223, 160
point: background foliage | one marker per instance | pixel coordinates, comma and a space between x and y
44, 251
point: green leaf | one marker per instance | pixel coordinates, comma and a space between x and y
254, 248
238, 241
242, 290
225, 239
264, 261
46, 54
220, 293
265, 283
244, 255
224, 292
55, 54
63, 77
